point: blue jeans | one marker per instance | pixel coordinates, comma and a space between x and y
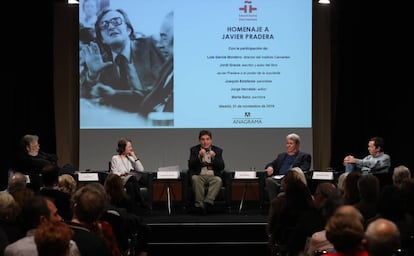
349, 167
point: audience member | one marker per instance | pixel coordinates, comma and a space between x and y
286, 210
129, 167
9, 210
161, 98
376, 162
345, 230
369, 194
293, 157
351, 193
120, 69
407, 190
392, 207
128, 224
67, 184
17, 180
314, 219
53, 239
399, 174
341, 182
88, 206
206, 165
318, 241
118, 197
323, 191
36, 210
50, 179
17, 187
382, 238
105, 227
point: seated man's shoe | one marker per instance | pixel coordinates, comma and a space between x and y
207, 207
200, 208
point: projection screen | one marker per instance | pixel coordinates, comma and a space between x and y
241, 69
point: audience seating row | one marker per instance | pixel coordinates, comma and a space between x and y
224, 198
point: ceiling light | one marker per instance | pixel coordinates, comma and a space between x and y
324, 1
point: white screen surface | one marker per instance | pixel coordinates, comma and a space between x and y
245, 63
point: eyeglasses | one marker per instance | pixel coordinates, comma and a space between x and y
103, 25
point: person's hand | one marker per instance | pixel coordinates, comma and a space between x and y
132, 153
349, 160
212, 153
91, 54
202, 152
101, 90
269, 171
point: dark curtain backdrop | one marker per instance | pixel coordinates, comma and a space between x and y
362, 80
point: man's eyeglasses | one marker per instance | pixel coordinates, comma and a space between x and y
103, 25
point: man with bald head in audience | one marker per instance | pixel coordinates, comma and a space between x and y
382, 238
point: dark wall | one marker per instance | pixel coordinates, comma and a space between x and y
373, 94
28, 69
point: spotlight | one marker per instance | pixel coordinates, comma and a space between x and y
324, 1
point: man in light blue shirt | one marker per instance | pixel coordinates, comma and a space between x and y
376, 162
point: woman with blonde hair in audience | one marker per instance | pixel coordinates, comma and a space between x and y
9, 210
67, 184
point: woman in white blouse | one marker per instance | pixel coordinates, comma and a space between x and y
127, 165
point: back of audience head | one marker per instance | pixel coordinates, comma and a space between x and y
351, 193
323, 191
53, 239
293, 174
9, 209
297, 193
332, 203
407, 190
341, 182
382, 238
21, 195
369, 188
345, 229
391, 204
88, 204
67, 184
17, 180
299, 174
114, 188
400, 173
50, 175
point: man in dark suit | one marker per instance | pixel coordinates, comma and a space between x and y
206, 165
161, 98
293, 157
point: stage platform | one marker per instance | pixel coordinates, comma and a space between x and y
216, 233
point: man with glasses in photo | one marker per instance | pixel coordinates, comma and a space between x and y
121, 69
